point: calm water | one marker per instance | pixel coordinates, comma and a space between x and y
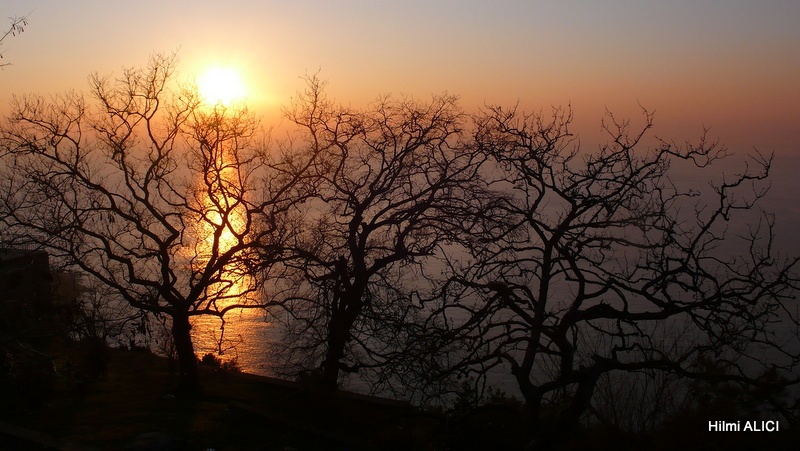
244, 339
247, 333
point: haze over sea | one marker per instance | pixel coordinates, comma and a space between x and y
730, 65
249, 333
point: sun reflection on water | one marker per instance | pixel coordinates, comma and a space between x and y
221, 226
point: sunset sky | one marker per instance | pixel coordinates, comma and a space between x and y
731, 65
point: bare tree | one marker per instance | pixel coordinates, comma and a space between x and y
589, 256
389, 185
17, 26
171, 203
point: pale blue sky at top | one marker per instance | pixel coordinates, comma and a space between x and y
731, 65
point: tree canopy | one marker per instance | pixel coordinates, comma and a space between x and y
170, 202
411, 244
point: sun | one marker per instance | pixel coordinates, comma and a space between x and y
219, 85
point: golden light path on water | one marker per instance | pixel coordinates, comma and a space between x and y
244, 334
244, 340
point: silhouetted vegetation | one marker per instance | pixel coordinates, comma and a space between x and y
388, 188
411, 246
596, 262
169, 203
16, 27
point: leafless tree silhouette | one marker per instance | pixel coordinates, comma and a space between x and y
17, 26
171, 203
390, 185
590, 256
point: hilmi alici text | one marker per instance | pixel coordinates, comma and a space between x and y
743, 426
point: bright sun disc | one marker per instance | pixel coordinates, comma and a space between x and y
220, 86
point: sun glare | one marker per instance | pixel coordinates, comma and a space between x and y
221, 86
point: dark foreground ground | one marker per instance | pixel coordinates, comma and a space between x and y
132, 406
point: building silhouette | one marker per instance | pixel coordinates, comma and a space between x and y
34, 299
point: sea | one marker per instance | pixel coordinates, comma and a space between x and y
248, 335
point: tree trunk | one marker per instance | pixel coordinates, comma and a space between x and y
337, 340
187, 361
563, 425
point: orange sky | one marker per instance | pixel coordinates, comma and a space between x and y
731, 65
